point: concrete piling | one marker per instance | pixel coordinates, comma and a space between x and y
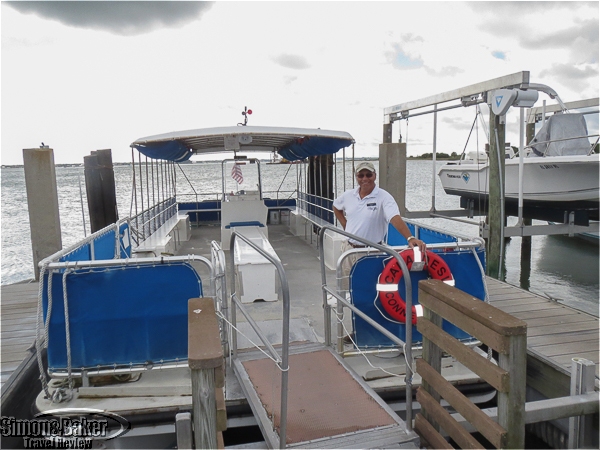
42, 202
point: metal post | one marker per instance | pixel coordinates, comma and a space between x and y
582, 382
387, 133
434, 157
521, 151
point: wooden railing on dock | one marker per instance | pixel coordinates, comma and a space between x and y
499, 331
205, 359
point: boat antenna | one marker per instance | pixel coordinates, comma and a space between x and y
246, 112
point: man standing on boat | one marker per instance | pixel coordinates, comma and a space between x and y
368, 210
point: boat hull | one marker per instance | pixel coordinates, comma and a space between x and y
552, 181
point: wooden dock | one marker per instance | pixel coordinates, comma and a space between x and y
18, 322
555, 333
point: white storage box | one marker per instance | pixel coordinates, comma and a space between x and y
274, 216
183, 227
257, 277
297, 224
332, 243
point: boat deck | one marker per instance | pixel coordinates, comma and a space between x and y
313, 418
556, 332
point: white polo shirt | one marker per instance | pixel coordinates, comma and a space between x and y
367, 217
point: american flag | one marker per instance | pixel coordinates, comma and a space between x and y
236, 173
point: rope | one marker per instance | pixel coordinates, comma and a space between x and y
364, 355
39, 344
470, 132
61, 394
277, 362
487, 295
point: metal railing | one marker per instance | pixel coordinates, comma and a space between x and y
378, 327
219, 273
151, 219
280, 360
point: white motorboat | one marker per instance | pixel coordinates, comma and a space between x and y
559, 170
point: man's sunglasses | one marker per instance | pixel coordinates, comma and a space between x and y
366, 174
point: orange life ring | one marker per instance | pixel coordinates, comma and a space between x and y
387, 283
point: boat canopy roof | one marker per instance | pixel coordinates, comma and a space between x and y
291, 143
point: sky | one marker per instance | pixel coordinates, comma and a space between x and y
82, 76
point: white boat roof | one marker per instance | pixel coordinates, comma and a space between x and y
250, 138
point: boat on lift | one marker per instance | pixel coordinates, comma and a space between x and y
560, 169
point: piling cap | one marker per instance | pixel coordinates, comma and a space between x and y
365, 165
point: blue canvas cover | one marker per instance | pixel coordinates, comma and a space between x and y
427, 235
104, 247
167, 150
127, 315
313, 146
363, 280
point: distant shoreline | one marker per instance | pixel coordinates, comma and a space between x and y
410, 158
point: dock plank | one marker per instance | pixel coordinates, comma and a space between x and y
556, 320
534, 341
556, 333
513, 309
568, 348
551, 311
18, 325
516, 298
566, 359
562, 328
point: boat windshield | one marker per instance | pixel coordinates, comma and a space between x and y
241, 177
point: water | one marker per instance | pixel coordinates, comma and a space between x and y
561, 267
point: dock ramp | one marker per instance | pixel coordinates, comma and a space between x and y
328, 406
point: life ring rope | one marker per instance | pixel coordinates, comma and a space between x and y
387, 283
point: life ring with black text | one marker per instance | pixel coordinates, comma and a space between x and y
387, 283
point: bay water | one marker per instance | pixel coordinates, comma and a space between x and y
563, 268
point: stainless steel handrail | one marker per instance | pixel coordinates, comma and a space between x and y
127, 262
282, 361
220, 281
408, 285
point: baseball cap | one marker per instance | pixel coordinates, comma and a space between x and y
365, 165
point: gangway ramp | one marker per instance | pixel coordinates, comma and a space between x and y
329, 406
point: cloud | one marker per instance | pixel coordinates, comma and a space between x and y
584, 34
290, 61
578, 78
288, 79
580, 38
514, 9
446, 71
457, 123
125, 18
401, 59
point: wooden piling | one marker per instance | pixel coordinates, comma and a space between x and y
526, 240
392, 172
100, 189
205, 359
496, 197
320, 185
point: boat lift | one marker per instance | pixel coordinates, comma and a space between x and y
474, 95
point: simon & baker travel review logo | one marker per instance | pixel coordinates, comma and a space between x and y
74, 428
